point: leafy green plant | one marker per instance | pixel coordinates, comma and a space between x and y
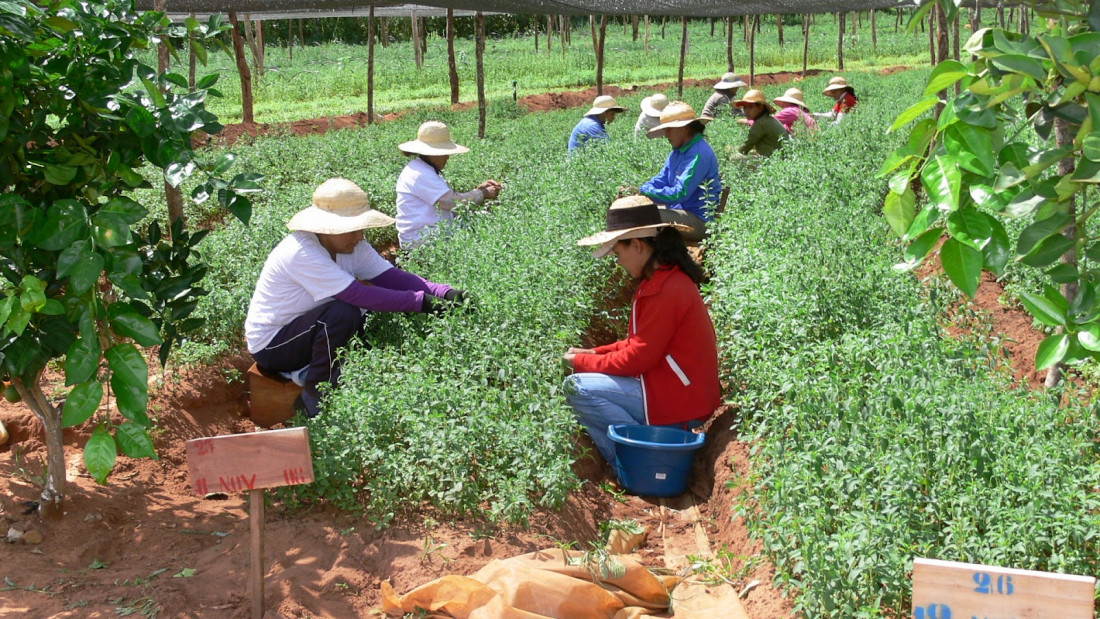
81, 277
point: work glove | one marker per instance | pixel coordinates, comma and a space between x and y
455, 295
431, 305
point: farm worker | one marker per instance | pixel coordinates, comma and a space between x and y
688, 185
794, 114
650, 115
593, 127
845, 97
423, 196
767, 134
666, 370
311, 297
724, 93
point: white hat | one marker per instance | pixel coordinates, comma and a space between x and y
632, 217
730, 81
837, 83
339, 206
602, 104
754, 96
433, 138
653, 104
677, 114
795, 96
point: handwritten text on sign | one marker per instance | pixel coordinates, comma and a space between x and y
239, 462
950, 590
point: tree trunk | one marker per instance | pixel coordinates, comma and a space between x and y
172, 195
855, 28
301, 33
549, 34
634, 26
942, 43
53, 493
931, 35
290, 39
260, 47
599, 54
1001, 13
683, 57
664, 20
536, 30
1063, 135
752, 51
840, 43
384, 37
595, 37
729, 44
452, 66
874, 32
713, 20
242, 71
805, 42
779, 23
647, 35
479, 47
370, 65
418, 55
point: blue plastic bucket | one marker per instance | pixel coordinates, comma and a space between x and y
654, 460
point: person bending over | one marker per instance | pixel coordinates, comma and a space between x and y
725, 91
592, 129
845, 96
767, 134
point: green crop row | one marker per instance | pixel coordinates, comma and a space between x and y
877, 438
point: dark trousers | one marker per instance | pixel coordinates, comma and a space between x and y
314, 338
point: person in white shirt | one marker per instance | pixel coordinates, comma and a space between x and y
650, 115
424, 198
318, 283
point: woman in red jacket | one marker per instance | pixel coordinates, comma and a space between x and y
666, 371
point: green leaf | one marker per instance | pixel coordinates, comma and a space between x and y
1089, 337
82, 403
96, 564
915, 110
127, 209
945, 74
899, 210
998, 252
60, 174
1087, 172
1024, 204
1051, 351
971, 147
1063, 273
136, 327
110, 230
1041, 230
100, 454
963, 265
922, 222
1048, 251
942, 179
134, 441
130, 382
1043, 309
971, 227
1023, 65
66, 222
82, 361
919, 249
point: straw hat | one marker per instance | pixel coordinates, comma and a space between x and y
794, 96
755, 96
653, 104
339, 206
836, 83
602, 104
676, 114
632, 217
729, 82
433, 138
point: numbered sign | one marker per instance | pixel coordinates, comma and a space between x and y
950, 590
239, 462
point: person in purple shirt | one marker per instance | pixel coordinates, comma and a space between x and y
317, 285
593, 127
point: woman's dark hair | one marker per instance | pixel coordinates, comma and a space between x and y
851, 91
669, 249
697, 126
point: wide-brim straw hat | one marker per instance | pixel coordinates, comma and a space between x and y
602, 104
730, 81
676, 114
795, 96
653, 104
339, 206
754, 96
631, 217
836, 83
433, 138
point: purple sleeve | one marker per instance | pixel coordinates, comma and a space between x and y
396, 279
378, 299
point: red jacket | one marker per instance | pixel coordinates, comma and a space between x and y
671, 346
845, 103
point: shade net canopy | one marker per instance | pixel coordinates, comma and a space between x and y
689, 8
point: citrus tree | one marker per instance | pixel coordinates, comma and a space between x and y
88, 278
1020, 140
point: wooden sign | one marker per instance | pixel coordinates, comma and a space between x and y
239, 462
951, 590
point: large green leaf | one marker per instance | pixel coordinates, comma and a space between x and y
100, 454
128, 323
130, 382
66, 222
971, 147
82, 361
899, 210
963, 265
1051, 351
1048, 251
129, 210
82, 403
1043, 309
1023, 65
945, 74
971, 227
135, 441
922, 222
111, 230
914, 111
1089, 337
998, 252
943, 181
1041, 230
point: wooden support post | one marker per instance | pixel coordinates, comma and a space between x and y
805, 42
840, 43
855, 28
931, 36
370, 65
647, 35
301, 33
290, 38
752, 50
599, 54
683, 57
242, 70
729, 44
256, 564
1001, 13
536, 31
595, 38
874, 33
452, 66
549, 34
779, 24
479, 48
634, 27
414, 24
191, 59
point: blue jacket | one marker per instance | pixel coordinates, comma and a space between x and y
588, 129
689, 180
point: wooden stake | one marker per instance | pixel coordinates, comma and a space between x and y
370, 65
256, 524
479, 47
874, 33
452, 66
242, 70
647, 35
805, 42
595, 38
683, 56
549, 34
779, 23
418, 57
290, 38
840, 44
752, 50
599, 54
191, 60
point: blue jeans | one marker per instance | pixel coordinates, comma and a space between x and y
601, 400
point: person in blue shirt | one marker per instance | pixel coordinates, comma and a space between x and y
592, 128
687, 188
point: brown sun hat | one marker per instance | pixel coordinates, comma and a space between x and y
602, 104
730, 81
836, 83
433, 138
795, 97
755, 96
339, 206
676, 114
632, 217
653, 104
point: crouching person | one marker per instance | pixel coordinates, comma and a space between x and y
666, 370
317, 284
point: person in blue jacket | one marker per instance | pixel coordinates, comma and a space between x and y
687, 187
593, 127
